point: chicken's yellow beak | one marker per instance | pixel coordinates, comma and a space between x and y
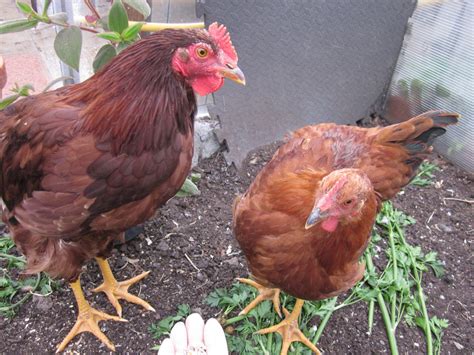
233, 73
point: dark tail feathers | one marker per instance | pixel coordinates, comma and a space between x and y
418, 133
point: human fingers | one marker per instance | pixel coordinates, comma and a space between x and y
166, 347
195, 330
179, 338
214, 338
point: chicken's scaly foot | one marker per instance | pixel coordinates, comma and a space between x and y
289, 330
119, 290
87, 320
264, 293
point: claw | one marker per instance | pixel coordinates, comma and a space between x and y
116, 291
88, 320
265, 293
289, 330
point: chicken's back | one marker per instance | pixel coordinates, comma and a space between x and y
388, 155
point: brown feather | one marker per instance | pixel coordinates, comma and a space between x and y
81, 164
269, 219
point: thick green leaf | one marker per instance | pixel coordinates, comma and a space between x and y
131, 32
68, 44
24, 7
188, 189
110, 36
140, 5
104, 55
118, 19
17, 25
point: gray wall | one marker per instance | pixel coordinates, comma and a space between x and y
305, 62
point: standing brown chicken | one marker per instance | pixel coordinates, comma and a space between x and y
306, 219
81, 164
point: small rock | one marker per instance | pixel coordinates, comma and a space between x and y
42, 303
233, 261
120, 262
449, 279
202, 263
163, 246
445, 228
200, 276
458, 346
253, 161
196, 310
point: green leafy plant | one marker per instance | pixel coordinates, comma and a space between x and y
116, 29
19, 91
425, 174
189, 187
163, 327
15, 291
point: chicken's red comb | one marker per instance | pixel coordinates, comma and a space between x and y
220, 35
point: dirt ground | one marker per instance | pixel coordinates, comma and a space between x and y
199, 228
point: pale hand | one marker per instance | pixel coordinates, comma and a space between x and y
195, 338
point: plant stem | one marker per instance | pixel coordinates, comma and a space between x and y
421, 297
393, 299
45, 7
234, 320
12, 257
323, 324
371, 315
91, 7
269, 342
388, 325
66, 25
383, 308
429, 339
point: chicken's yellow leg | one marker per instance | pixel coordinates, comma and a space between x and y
119, 290
264, 293
87, 320
289, 330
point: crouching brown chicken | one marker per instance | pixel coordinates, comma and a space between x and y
307, 217
81, 164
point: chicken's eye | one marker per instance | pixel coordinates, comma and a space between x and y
348, 202
201, 52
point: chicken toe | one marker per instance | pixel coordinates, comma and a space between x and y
87, 320
116, 290
265, 293
289, 330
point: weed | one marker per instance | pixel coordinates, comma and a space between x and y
163, 327
425, 175
14, 290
